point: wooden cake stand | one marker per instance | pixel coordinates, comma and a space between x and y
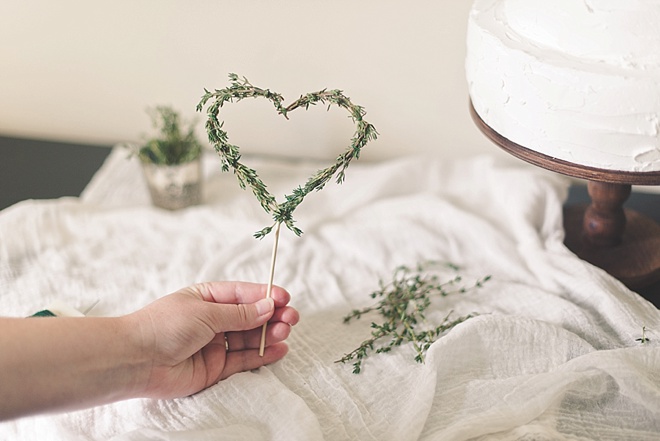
621, 241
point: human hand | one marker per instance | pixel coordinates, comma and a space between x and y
204, 333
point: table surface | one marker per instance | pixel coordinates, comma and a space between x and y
36, 169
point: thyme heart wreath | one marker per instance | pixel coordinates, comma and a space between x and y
239, 89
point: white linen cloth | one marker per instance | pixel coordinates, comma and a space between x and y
553, 355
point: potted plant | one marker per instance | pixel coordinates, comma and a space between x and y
171, 161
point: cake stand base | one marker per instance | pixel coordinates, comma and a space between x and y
635, 261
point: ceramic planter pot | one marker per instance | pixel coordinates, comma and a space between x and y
174, 187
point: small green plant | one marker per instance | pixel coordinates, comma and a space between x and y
173, 145
403, 305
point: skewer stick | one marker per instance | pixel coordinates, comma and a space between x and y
262, 345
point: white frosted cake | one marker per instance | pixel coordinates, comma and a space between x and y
577, 80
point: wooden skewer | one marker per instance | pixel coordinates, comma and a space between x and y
262, 345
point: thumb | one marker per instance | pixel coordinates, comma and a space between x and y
243, 316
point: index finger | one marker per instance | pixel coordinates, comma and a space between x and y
239, 292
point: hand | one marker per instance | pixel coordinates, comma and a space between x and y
202, 334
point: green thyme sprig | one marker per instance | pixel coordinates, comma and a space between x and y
403, 305
241, 88
643, 339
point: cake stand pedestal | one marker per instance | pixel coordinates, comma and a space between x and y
621, 241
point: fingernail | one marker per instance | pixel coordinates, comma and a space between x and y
264, 306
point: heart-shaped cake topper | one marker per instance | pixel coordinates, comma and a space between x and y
230, 154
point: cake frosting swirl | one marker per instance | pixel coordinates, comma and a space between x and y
576, 80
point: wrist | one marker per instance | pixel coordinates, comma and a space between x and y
137, 355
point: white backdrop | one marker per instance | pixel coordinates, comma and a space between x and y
83, 71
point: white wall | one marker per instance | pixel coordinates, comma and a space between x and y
85, 71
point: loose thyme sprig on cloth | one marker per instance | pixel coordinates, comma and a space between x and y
282, 212
403, 306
